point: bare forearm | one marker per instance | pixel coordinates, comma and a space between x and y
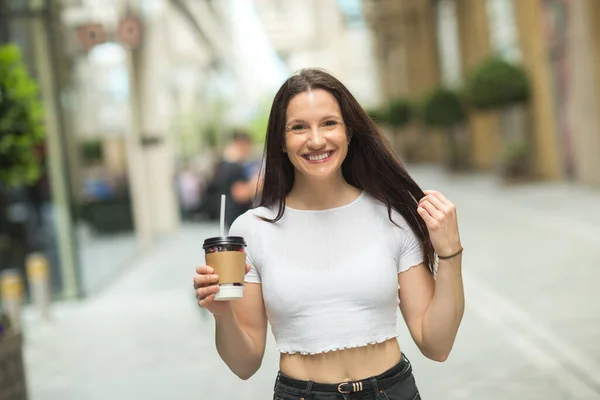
445, 312
235, 347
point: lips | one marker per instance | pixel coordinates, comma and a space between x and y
320, 157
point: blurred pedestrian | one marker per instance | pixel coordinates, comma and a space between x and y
341, 237
232, 179
188, 185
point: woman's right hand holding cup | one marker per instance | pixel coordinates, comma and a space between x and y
206, 283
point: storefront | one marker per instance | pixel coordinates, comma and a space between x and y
37, 217
79, 213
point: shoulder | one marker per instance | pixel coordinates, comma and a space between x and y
260, 213
251, 218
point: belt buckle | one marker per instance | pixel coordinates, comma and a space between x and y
344, 391
356, 387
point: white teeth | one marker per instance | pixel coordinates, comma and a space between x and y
319, 157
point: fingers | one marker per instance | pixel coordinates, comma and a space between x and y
439, 201
204, 269
437, 194
205, 292
247, 268
205, 280
206, 301
429, 220
433, 200
432, 210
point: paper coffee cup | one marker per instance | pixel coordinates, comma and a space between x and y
227, 257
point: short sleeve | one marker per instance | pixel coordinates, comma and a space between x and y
242, 226
410, 252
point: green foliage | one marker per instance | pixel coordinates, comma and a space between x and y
399, 113
496, 83
443, 108
21, 120
379, 115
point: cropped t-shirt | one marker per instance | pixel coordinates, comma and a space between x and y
329, 277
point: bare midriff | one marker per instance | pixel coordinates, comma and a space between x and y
342, 365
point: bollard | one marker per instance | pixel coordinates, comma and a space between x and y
11, 292
38, 276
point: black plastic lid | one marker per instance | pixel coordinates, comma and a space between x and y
221, 240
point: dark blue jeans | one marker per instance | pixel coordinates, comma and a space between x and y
397, 383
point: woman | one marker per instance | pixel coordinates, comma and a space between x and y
342, 235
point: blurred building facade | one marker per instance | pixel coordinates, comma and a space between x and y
117, 77
329, 34
421, 45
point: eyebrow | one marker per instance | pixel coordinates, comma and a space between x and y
298, 120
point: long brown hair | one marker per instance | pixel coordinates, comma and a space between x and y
370, 164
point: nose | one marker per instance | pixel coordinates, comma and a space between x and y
316, 141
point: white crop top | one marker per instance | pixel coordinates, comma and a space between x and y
329, 277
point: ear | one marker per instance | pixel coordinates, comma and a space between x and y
283, 150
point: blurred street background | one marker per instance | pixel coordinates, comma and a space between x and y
122, 121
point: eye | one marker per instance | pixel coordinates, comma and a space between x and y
298, 128
331, 124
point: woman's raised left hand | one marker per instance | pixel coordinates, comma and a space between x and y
440, 217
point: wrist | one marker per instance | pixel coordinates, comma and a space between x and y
450, 254
448, 248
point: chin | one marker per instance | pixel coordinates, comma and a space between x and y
321, 175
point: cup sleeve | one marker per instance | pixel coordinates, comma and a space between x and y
242, 227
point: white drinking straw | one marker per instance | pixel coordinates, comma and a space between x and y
223, 215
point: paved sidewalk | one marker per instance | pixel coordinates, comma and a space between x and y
531, 328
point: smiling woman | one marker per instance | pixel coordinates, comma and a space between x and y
316, 139
339, 227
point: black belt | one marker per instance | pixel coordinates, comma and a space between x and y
397, 373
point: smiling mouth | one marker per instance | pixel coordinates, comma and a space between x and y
318, 157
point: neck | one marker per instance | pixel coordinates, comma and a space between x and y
310, 194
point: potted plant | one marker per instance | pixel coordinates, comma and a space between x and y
443, 108
502, 86
378, 115
495, 84
395, 116
399, 113
21, 136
